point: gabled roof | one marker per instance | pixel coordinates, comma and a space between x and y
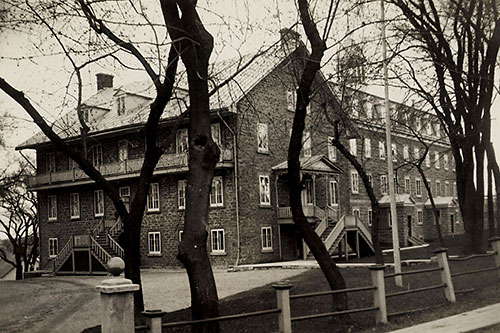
442, 202
401, 199
313, 164
262, 63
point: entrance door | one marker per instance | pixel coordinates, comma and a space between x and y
410, 231
308, 193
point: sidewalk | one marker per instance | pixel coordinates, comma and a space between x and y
463, 322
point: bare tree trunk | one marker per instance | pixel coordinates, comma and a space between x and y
490, 153
19, 267
491, 214
195, 46
317, 247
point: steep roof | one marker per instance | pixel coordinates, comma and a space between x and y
314, 164
253, 68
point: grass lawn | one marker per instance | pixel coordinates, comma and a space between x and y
482, 289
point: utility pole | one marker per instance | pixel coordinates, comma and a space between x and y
390, 170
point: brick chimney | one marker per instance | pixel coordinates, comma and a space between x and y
289, 39
104, 81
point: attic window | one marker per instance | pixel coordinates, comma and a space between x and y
121, 105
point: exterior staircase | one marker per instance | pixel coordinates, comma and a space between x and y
358, 235
415, 241
101, 243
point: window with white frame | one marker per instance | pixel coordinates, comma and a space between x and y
354, 182
264, 191
454, 190
368, 148
332, 151
216, 134
153, 198
216, 192
125, 196
262, 138
370, 217
154, 242
436, 160
381, 150
217, 241
306, 144
446, 161
416, 153
267, 238
428, 159
97, 155
420, 217
74, 205
122, 150
383, 184
98, 203
418, 187
53, 247
353, 149
438, 188
446, 188
181, 141
308, 192
406, 153
355, 211
394, 152
290, 99
334, 193
370, 179
50, 162
181, 194
180, 235
407, 185
52, 206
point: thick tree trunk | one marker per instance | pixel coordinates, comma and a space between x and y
435, 211
490, 153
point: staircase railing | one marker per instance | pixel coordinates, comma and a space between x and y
365, 232
116, 228
98, 228
63, 254
99, 252
334, 234
115, 246
333, 212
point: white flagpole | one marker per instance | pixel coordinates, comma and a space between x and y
390, 170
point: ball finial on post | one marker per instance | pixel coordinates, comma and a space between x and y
115, 266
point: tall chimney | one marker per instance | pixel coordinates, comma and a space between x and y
104, 81
289, 39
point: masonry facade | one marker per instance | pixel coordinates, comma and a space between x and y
249, 216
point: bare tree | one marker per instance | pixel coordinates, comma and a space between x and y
461, 39
295, 185
19, 222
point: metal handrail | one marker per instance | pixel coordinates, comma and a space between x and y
473, 256
98, 228
337, 313
416, 290
476, 271
331, 292
221, 318
427, 270
116, 228
336, 231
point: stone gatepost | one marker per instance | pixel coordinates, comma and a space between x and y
117, 300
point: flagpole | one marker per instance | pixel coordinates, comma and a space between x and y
390, 170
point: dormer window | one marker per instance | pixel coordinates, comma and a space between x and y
121, 105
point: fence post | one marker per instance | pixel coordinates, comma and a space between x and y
117, 302
283, 298
154, 317
495, 244
377, 273
442, 258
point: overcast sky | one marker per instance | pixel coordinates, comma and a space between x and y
238, 26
